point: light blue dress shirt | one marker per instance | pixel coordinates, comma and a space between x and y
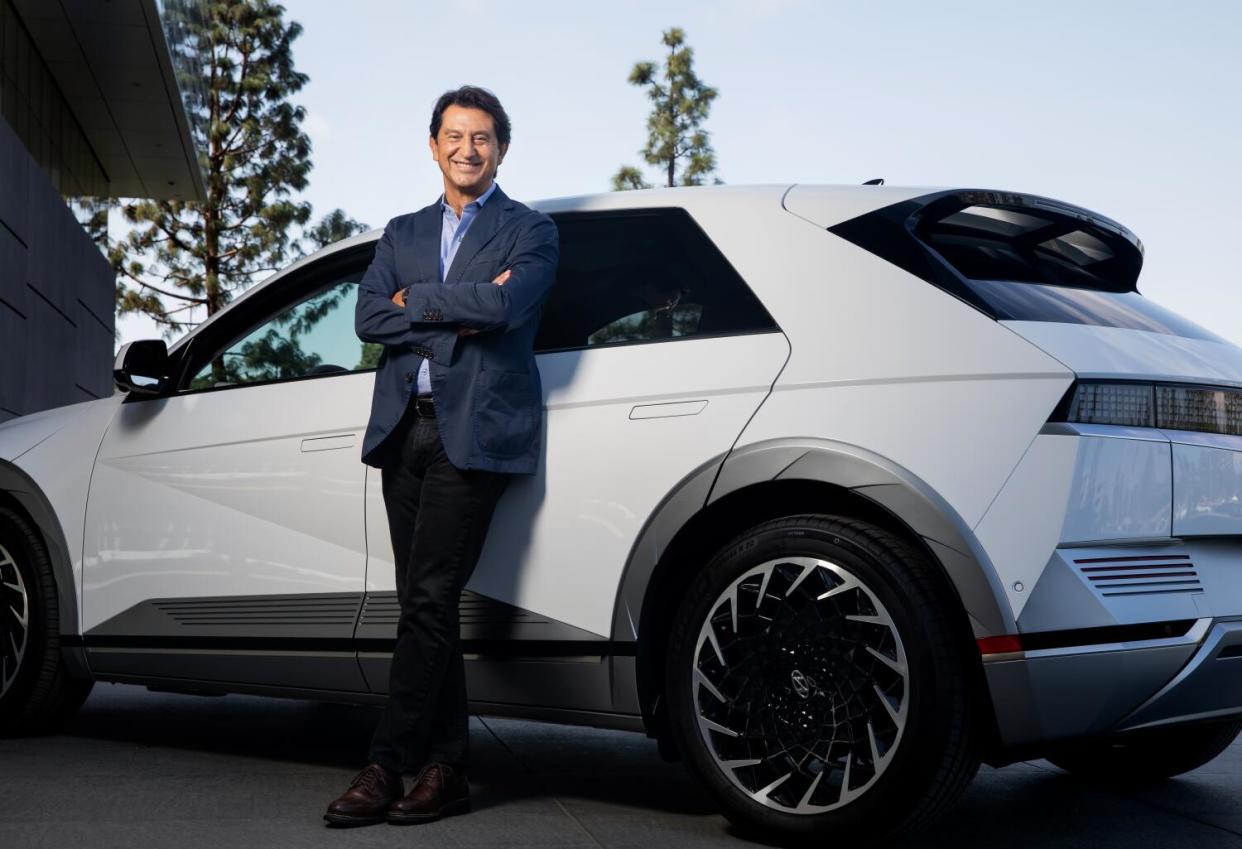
452, 231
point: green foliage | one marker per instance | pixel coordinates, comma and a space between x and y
628, 177
656, 323
270, 356
255, 156
278, 350
675, 134
333, 227
370, 355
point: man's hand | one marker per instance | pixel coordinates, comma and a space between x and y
499, 281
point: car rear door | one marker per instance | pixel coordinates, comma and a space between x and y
653, 353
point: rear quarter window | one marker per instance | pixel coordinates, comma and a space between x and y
639, 277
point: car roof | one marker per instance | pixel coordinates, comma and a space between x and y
848, 200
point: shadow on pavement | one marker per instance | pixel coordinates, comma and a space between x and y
608, 788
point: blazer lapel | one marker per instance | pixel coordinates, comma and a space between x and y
485, 225
427, 226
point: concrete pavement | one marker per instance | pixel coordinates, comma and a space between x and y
142, 769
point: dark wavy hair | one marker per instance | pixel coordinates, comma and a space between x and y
475, 98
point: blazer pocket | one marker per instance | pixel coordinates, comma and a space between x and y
504, 412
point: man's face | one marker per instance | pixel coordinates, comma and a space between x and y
466, 149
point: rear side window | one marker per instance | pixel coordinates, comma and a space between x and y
642, 276
1020, 258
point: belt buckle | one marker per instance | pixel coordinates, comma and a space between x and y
424, 407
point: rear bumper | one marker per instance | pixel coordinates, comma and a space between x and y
1102, 536
1095, 690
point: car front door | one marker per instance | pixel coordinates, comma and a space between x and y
224, 532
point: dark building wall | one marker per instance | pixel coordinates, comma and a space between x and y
57, 294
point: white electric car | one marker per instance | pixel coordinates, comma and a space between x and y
843, 490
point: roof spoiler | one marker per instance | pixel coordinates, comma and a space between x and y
952, 236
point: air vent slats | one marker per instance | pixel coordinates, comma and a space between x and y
1140, 575
1101, 579
348, 621
293, 602
286, 612
1142, 559
474, 610
290, 607
1134, 567
276, 615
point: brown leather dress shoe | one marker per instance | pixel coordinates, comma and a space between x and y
438, 791
368, 797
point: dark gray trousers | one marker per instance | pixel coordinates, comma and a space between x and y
437, 517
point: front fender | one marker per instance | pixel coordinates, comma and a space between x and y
50, 481
35, 504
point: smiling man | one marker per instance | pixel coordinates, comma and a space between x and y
454, 294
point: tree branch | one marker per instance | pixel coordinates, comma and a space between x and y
162, 292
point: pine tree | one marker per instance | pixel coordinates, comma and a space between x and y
333, 227
179, 254
681, 103
628, 177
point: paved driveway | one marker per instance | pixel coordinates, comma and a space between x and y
140, 769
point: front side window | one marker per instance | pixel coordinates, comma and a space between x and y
642, 276
313, 337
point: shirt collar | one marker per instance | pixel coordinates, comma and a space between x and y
477, 202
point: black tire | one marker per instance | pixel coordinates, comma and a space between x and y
40, 694
931, 751
1147, 756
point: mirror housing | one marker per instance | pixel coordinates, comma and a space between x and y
142, 367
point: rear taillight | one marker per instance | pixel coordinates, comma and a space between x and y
1171, 406
1194, 408
1129, 404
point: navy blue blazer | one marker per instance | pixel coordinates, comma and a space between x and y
489, 401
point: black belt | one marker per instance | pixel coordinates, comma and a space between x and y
424, 407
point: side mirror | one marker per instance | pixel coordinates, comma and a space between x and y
142, 366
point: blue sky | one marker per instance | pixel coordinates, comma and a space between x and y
1130, 109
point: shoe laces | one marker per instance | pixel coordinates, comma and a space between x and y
431, 773
368, 778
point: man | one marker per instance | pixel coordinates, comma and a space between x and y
454, 294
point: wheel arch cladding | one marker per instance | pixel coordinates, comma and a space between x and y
18, 491
771, 479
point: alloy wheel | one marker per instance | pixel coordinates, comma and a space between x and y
14, 619
800, 685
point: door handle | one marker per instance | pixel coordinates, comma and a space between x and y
328, 443
661, 411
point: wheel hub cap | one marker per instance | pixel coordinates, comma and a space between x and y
803, 685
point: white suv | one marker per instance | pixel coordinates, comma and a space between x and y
843, 489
